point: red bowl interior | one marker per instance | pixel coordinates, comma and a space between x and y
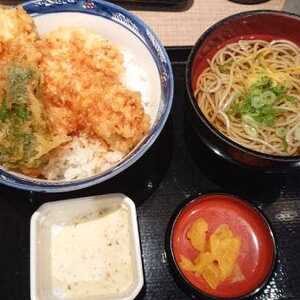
257, 254
264, 25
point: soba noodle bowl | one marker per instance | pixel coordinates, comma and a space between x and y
251, 93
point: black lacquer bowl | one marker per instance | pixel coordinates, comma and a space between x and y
263, 23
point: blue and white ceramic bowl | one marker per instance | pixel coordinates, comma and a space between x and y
127, 32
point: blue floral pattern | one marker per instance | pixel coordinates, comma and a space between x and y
47, 3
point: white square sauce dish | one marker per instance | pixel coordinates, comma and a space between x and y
86, 249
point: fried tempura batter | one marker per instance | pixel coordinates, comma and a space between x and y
17, 42
83, 91
17, 36
26, 139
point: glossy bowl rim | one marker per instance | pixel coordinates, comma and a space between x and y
12, 179
171, 257
193, 101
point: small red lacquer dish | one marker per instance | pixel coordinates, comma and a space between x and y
257, 254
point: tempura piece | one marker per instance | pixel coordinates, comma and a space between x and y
83, 89
25, 138
17, 36
15, 24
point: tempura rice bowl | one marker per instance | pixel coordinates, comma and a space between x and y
147, 70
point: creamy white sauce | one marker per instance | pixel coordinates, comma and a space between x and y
92, 255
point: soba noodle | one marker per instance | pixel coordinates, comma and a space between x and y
251, 93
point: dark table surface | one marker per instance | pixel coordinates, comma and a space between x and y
177, 167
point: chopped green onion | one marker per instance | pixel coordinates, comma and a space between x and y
251, 131
281, 132
225, 67
279, 90
22, 112
291, 98
268, 97
257, 101
249, 120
